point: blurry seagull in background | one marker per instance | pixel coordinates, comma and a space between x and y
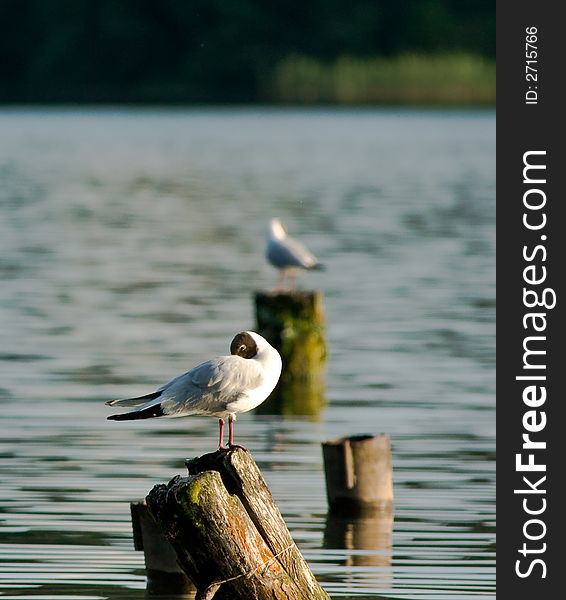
287, 255
221, 387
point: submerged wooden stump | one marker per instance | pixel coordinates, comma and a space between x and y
164, 575
229, 535
293, 322
359, 474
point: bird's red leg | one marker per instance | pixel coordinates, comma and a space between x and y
221, 435
231, 444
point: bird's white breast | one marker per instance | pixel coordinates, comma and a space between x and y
271, 365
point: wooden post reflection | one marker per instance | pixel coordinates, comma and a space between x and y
371, 533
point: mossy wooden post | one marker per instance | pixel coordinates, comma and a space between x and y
293, 322
164, 575
359, 474
229, 535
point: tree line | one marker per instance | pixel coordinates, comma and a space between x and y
213, 50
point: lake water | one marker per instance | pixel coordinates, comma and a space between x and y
131, 242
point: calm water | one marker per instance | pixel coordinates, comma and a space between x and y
130, 245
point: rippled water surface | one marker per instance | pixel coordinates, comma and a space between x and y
131, 243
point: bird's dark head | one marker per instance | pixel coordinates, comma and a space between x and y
243, 345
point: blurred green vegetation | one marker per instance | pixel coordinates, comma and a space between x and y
230, 51
407, 79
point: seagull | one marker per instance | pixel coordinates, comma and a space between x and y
287, 255
220, 387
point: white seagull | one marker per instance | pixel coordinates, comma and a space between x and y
287, 255
221, 387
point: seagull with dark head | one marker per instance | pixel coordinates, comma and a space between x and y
221, 387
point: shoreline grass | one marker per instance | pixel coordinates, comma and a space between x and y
415, 79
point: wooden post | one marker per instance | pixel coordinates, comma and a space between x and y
164, 575
293, 322
229, 535
359, 475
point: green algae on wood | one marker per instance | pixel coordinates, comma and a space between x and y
293, 322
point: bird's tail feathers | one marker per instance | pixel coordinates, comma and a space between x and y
155, 410
134, 401
317, 267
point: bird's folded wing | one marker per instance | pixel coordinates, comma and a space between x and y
290, 252
210, 385
226, 374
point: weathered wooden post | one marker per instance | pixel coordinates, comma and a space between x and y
293, 322
359, 474
164, 575
229, 535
